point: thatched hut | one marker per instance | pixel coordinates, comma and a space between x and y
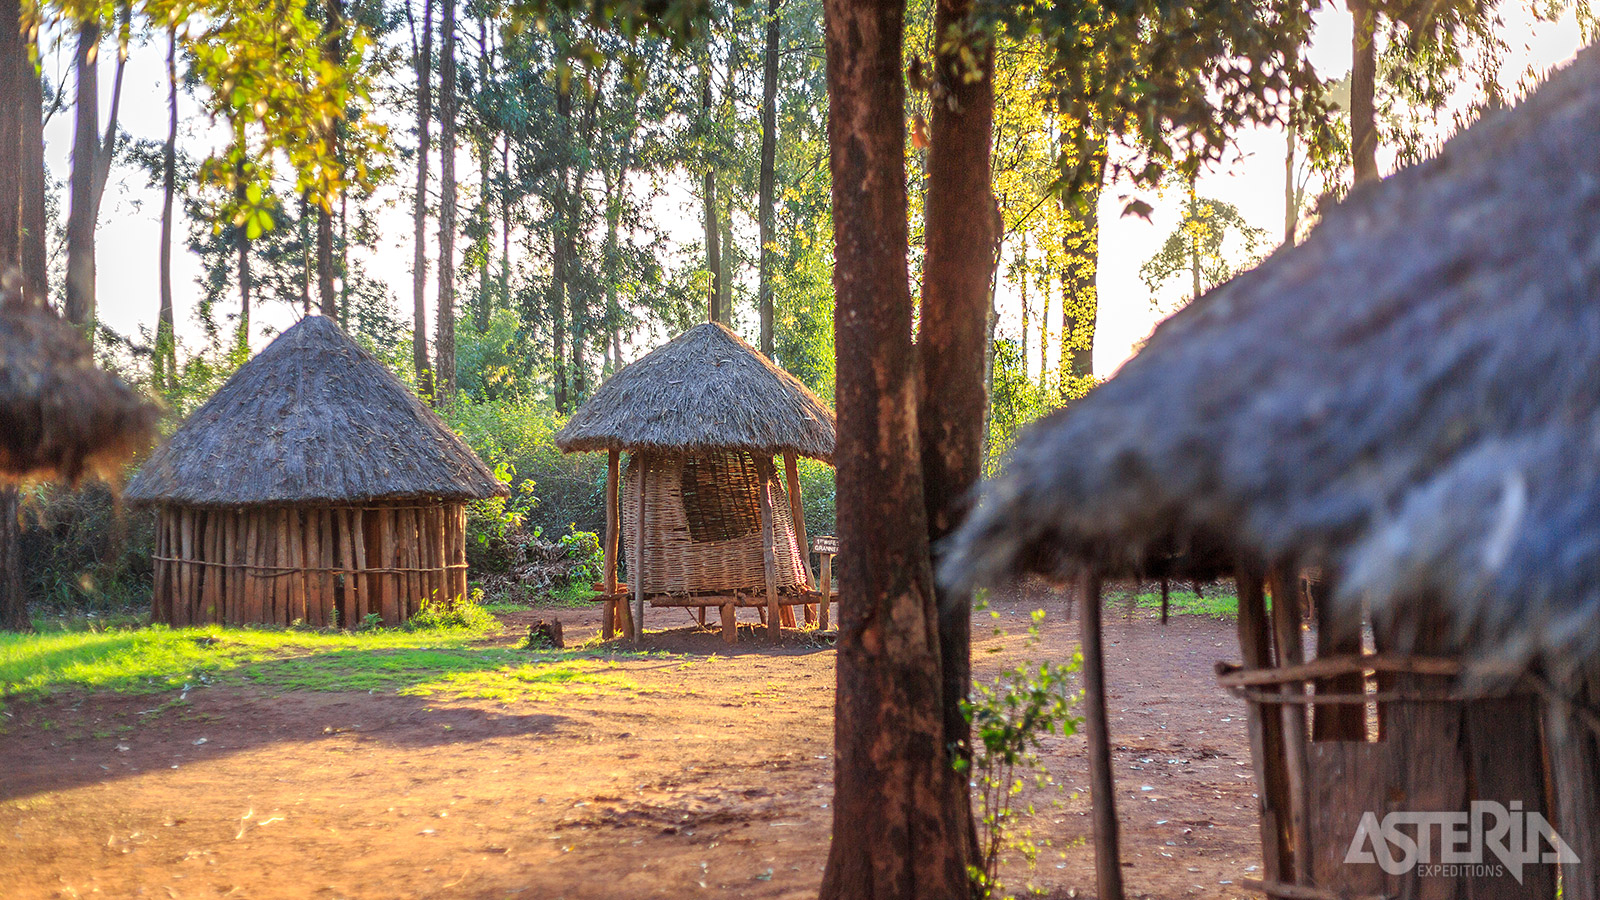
313, 486
1409, 401
708, 520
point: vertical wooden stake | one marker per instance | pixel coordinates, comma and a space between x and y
797, 513
1107, 842
367, 591
636, 627
764, 473
1166, 589
386, 559
158, 570
730, 622
1266, 731
608, 581
183, 613
827, 590
1286, 619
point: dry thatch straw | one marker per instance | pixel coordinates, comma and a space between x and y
312, 418
705, 390
61, 416
1411, 397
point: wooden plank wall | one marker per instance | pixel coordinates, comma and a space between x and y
324, 566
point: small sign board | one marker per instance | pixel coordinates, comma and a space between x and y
825, 543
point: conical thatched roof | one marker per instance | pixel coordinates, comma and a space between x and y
60, 416
312, 418
1411, 397
706, 389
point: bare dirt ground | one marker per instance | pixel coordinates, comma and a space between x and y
712, 775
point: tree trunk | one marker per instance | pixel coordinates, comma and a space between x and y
1194, 240
505, 223
13, 602
242, 338
1080, 300
85, 152
419, 209
899, 830
445, 342
556, 293
1363, 88
769, 158
481, 147
578, 301
1291, 197
13, 69
30, 155
957, 272
166, 361
715, 312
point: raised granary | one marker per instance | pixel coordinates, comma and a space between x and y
312, 487
707, 519
1407, 400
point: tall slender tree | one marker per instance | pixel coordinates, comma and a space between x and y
91, 160
166, 354
445, 342
422, 52
769, 161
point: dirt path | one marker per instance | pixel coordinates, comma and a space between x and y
705, 773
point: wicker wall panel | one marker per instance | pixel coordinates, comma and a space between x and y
674, 561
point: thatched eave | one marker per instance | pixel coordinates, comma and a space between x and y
313, 418
705, 390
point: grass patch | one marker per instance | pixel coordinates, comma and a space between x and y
1217, 603
158, 658
541, 680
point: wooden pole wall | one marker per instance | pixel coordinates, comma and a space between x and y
769, 562
636, 627
613, 534
279, 565
1286, 620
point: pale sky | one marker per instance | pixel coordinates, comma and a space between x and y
1252, 180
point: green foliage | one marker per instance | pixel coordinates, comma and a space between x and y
1212, 243
454, 612
1009, 716
583, 548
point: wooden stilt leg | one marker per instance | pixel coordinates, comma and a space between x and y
1107, 841
826, 590
730, 623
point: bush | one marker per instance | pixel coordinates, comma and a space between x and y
454, 612
84, 551
1009, 716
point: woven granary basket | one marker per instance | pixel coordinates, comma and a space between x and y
702, 525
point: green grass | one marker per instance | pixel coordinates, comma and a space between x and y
158, 658
444, 662
1217, 603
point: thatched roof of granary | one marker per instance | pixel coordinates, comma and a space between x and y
60, 415
313, 418
1411, 397
705, 389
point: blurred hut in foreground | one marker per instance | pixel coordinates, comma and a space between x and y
1411, 401
61, 418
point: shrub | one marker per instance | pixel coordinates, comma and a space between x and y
1009, 716
454, 612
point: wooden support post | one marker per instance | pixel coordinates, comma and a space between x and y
1166, 589
252, 561
182, 614
826, 590
730, 622
797, 513
367, 591
1286, 620
769, 562
312, 560
1344, 721
1107, 842
387, 560
441, 558
158, 569
636, 627
1575, 771
613, 536
1266, 732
